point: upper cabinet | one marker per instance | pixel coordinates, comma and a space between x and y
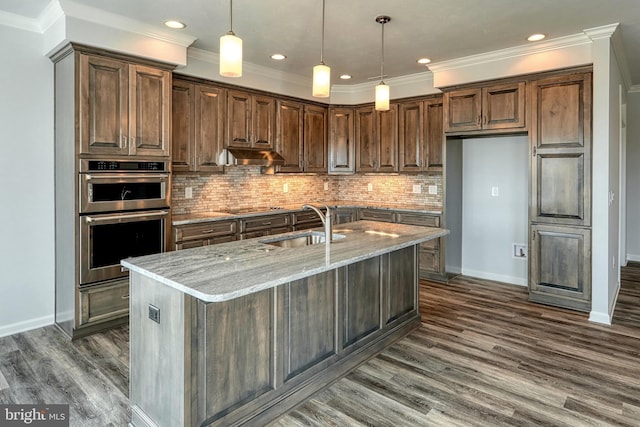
197, 127
315, 138
124, 108
377, 139
342, 149
289, 135
420, 137
487, 108
433, 134
251, 120
561, 150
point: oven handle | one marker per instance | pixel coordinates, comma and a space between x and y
157, 176
123, 216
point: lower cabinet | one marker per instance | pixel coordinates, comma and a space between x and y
204, 233
343, 215
560, 266
258, 226
101, 303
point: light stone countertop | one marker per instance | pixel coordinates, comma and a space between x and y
184, 219
230, 270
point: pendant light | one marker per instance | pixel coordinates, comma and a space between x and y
382, 90
321, 72
230, 51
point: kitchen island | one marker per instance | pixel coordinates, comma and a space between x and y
241, 332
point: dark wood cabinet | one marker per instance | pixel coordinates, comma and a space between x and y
342, 142
251, 120
433, 135
493, 107
124, 108
289, 135
560, 266
411, 150
315, 139
377, 139
561, 150
204, 233
343, 215
197, 127
560, 208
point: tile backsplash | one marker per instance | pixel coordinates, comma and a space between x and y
245, 187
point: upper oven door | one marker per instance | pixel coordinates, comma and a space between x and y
109, 192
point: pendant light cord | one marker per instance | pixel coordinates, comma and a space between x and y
382, 61
322, 45
231, 18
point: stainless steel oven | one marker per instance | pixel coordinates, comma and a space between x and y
109, 186
105, 239
124, 212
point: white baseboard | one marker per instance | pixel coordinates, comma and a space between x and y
495, 277
632, 257
598, 317
26, 325
452, 270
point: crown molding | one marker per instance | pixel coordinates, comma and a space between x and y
119, 22
20, 22
605, 31
511, 52
634, 89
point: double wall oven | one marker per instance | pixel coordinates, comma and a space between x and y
124, 212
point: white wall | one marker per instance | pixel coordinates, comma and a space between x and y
492, 224
26, 174
633, 176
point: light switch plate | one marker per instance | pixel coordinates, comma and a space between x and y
188, 192
495, 191
369, 187
285, 187
326, 186
433, 189
417, 188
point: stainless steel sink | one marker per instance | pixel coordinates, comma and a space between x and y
300, 240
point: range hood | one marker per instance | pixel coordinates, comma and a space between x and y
247, 156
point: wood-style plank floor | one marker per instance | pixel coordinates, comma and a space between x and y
484, 356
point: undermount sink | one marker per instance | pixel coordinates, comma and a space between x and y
300, 240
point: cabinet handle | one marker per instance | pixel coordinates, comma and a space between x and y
479, 120
534, 151
124, 141
533, 235
486, 120
207, 232
125, 296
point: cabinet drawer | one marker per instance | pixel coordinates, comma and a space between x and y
104, 302
375, 215
204, 230
191, 244
418, 219
431, 245
263, 222
306, 217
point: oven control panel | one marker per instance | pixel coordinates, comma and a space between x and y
124, 166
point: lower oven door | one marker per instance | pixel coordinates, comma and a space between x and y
108, 238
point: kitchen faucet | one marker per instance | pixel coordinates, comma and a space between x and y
326, 221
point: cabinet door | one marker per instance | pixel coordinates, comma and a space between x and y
263, 122
361, 295
209, 125
560, 266
462, 110
410, 137
104, 106
315, 139
400, 275
289, 135
182, 120
387, 139
365, 140
561, 150
150, 101
503, 106
433, 134
238, 119
341, 144
343, 216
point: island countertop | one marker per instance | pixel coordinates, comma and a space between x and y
230, 270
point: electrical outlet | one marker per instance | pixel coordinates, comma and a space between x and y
519, 251
417, 188
154, 313
285, 187
369, 187
495, 192
326, 186
433, 189
188, 192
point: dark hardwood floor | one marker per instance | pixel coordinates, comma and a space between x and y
484, 356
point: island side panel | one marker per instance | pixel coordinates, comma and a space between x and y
236, 353
309, 323
158, 354
401, 276
362, 305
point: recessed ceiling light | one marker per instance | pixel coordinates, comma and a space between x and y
345, 76
423, 61
536, 37
278, 56
176, 25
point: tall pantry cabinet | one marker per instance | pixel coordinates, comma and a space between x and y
560, 215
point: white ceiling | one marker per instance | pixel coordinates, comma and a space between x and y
439, 29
